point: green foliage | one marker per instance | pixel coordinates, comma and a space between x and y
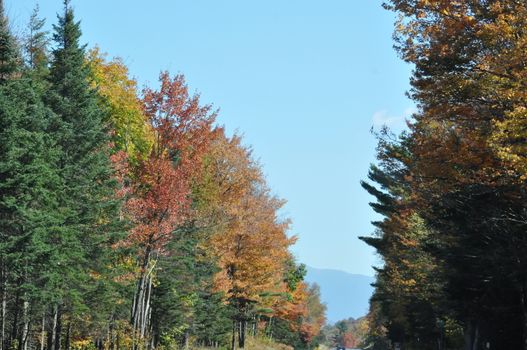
184, 303
87, 199
281, 331
9, 51
294, 274
29, 207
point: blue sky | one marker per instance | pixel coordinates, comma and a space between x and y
303, 80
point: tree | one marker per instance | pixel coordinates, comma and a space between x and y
409, 287
250, 241
131, 131
160, 193
9, 53
185, 308
28, 181
88, 197
29, 205
463, 177
36, 45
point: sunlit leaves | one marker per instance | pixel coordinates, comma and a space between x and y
130, 129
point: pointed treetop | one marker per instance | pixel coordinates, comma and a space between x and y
3, 17
36, 43
67, 8
8, 48
67, 31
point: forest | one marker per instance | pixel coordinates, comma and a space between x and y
450, 190
129, 219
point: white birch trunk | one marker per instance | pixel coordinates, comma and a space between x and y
43, 331
54, 329
25, 328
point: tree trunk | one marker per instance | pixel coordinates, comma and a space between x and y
136, 307
233, 340
152, 344
111, 333
25, 328
51, 335
146, 306
476, 338
56, 328
187, 340
141, 303
523, 302
58, 335
241, 333
43, 331
67, 341
16, 315
4, 307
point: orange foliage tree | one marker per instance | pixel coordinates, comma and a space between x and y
249, 239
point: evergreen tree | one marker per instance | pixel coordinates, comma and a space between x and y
9, 54
29, 184
88, 200
410, 285
28, 205
184, 302
36, 45
27, 180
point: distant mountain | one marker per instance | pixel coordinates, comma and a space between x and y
345, 294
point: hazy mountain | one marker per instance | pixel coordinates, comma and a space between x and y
345, 294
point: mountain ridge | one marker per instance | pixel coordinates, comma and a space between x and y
345, 294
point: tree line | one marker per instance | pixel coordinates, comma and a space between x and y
129, 219
451, 188
348, 333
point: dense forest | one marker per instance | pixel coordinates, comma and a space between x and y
451, 188
129, 219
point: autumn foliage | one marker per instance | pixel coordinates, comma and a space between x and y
130, 220
451, 189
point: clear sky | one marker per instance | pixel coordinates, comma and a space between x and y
303, 80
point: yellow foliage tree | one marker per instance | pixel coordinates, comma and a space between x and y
131, 131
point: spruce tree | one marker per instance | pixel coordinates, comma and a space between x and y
36, 45
184, 303
29, 184
28, 205
9, 55
88, 200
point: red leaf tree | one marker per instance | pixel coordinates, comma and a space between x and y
161, 184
